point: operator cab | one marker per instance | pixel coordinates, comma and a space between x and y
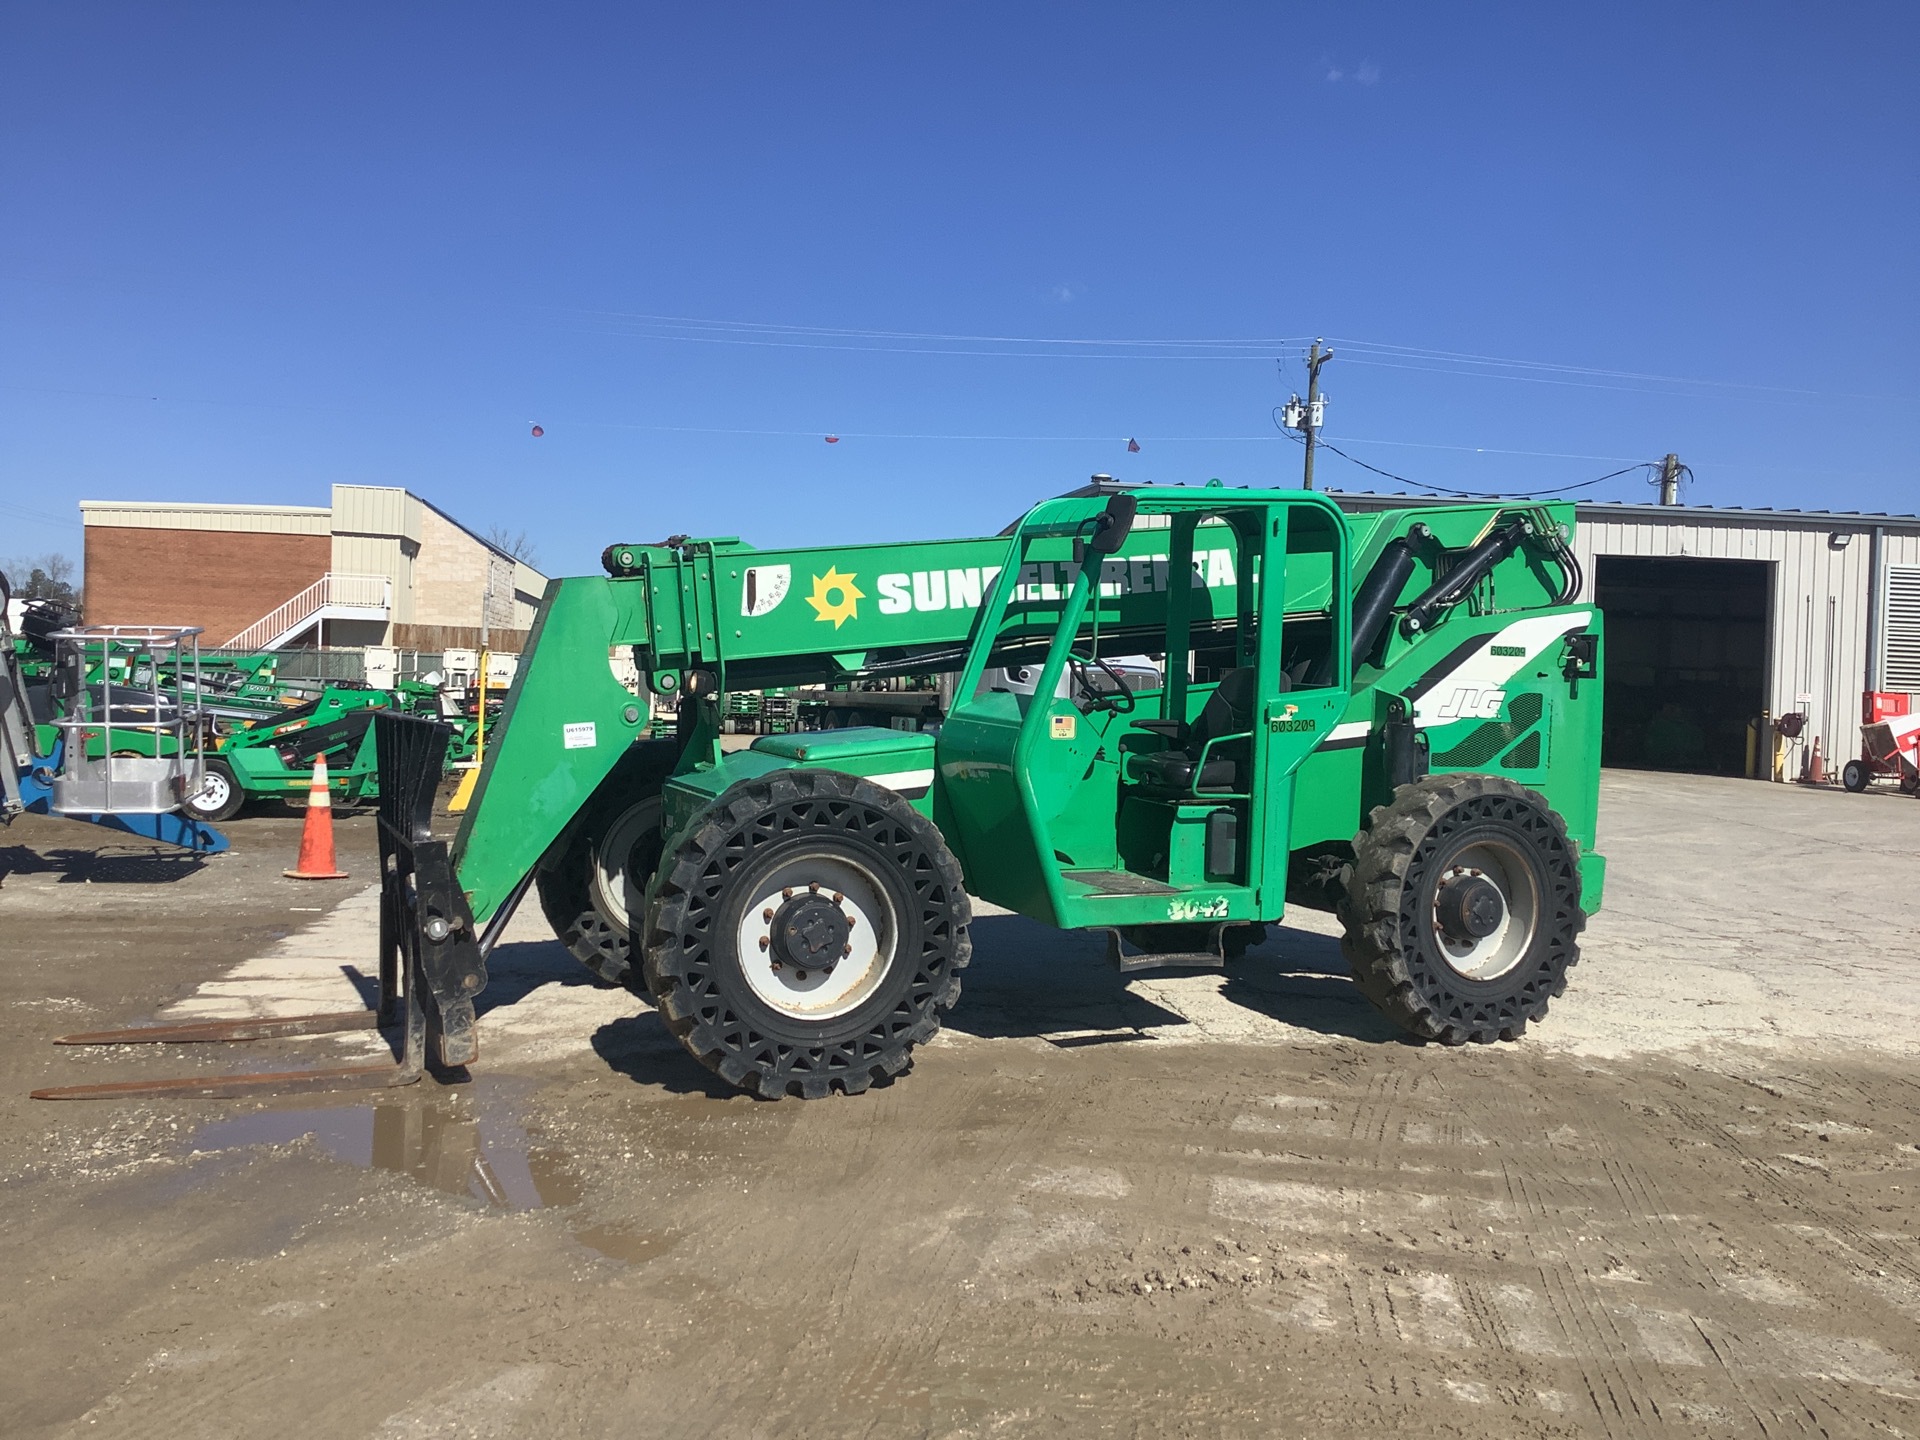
1103, 791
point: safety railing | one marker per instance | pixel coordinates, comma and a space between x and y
129, 746
332, 590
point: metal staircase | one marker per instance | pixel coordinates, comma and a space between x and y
332, 597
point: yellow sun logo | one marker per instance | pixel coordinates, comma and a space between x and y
838, 611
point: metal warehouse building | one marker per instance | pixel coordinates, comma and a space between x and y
1717, 616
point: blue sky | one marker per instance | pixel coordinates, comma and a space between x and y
246, 251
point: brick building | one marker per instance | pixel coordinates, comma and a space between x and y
378, 566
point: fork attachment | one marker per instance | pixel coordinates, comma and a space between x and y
426, 927
431, 964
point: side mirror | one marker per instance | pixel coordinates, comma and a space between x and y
1111, 529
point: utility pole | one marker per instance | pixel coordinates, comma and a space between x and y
1308, 417
1669, 480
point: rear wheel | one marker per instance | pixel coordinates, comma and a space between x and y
1855, 776
592, 895
806, 933
219, 797
1910, 784
1462, 912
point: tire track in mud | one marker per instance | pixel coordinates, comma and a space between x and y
1621, 1393
846, 1300
1756, 1370
1857, 1244
1403, 1321
1628, 1200
1639, 1367
1557, 1324
1753, 1385
1751, 1359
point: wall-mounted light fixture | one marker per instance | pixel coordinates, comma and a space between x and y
1839, 540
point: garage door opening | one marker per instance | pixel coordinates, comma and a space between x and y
1686, 660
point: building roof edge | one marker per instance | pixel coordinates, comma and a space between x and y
179, 507
1682, 514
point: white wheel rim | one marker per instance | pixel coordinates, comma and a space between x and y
1494, 954
853, 978
613, 890
215, 789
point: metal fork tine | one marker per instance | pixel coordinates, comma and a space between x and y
214, 1087
427, 978
213, 1031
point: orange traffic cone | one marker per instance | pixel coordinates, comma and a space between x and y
316, 860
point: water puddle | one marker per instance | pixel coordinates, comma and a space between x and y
458, 1148
465, 1144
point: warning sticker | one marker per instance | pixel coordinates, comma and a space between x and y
1063, 727
579, 737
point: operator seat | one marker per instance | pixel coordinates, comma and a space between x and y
1230, 710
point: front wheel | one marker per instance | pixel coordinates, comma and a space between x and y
806, 934
1855, 776
1462, 911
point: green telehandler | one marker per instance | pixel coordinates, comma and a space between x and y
1175, 712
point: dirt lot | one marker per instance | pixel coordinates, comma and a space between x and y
1683, 1206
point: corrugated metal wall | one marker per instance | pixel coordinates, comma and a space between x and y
376, 531
258, 519
376, 510
1818, 640
1900, 629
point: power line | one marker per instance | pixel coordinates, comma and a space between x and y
1115, 352
1422, 353
692, 329
1263, 344
21, 512
1486, 494
1484, 450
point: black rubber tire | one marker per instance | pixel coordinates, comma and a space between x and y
594, 932
1387, 910
1855, 776
229, 807
1910, 784
707, 877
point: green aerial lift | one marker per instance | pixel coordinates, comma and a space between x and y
273, 756
1395, 716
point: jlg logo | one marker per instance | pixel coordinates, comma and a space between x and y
1469, 702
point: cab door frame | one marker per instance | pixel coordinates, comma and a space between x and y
1292, 723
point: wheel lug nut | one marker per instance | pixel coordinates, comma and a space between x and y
846, 949
852, 920
838, 898
799, 974
814, 889
778, 966
763, 942
767, 914
787, 894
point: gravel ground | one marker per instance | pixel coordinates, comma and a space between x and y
1209, 1206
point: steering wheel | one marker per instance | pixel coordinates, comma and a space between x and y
1121, 699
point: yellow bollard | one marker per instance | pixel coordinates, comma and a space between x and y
463, 792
